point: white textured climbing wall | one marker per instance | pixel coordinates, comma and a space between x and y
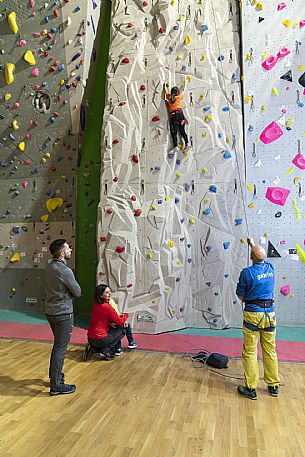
45, 53
170, 224
274, 69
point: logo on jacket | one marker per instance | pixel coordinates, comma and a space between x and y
265, 275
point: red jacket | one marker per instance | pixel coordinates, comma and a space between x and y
102, 315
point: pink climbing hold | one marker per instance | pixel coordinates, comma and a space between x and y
271, 133
35, 72
27, 136
37, 35
281, 6
299, 161
302, 23
269, 63
24, 184
283, 52
285, 290
56, 13
27, 162
277, 195
32, 3
22, 43
16, 105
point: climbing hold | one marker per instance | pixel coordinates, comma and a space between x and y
283, 52
44, 218
29, 57
301, 253
192, 221
207, 211
238, 221
287, 23
187, 40
277, 195
135, 158
281, 6
302, 80
120, 249
226, 244
149, 255
171, 244
285, 290
287, 76
156, 118
15, 125
21, 146
272, 252
271, 133
35, 72
137, 212
125, 60
15, 258
274, 91
299, 161
54, 203
213, 189
11, 19
9, 73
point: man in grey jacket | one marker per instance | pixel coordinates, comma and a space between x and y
61, 287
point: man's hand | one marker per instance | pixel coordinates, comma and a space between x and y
250, 242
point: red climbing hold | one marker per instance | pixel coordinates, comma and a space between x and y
115, 179
125, 60
135, 158
137, 212
103, 238
133, 198
143, 87
129, 26
109, 211
120, 249
122, 103
161, 30
129, 285
156, 118
116, 141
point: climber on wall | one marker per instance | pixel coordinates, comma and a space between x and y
177, 119
256, 290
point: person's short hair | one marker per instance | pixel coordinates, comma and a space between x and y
99, 290
56, 247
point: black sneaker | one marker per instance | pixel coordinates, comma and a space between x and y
88, 351
63, 389
249, 393
106, 355
274, 391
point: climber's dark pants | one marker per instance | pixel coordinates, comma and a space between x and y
177, 122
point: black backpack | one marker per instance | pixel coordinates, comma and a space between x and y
213, 359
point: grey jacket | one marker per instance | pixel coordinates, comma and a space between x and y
61, 287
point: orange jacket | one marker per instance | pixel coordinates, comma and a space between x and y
176, 106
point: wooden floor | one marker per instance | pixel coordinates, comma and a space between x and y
142, 404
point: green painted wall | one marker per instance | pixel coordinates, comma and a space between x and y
88, 193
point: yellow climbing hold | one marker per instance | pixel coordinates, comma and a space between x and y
178, 175
171, 244
291, 295
290, 170
54, 203
301, 253
202, 97
43, 160
249, 56
44, 218
260, 6
251, 205
181, 17
15, 125
263, 108
9, 73
62, 82
274, 91
29, 58
265, 55
7, 97
179, 57
204, 170
287, 23
228, 139
21, 146
208, 118
296, 180
192, 221
47, 154
203, 57
149, 255
187, 40
250, 187
166, 198
11, 19
248, 99
189, 78
15, 257
300, 68
154, 207
185, 153
254, 2
296, 209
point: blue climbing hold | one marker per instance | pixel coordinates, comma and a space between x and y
238, 221
207, 211
226, 244
213, 189
204, 28
227, 155
221, 58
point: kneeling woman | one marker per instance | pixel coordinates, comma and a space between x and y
102, 337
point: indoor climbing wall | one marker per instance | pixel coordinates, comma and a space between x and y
170, 223
274, 104
44, 47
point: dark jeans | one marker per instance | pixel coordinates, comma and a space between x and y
62, 328
105, 344
177, 122
129, 337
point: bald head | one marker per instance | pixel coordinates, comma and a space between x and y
258, 254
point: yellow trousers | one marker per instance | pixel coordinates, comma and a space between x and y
249, 354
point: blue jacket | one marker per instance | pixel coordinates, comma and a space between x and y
256, 282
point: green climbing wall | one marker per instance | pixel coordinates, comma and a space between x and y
89, 169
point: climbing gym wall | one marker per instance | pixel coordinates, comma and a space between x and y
44, 50
170, 223
274, 104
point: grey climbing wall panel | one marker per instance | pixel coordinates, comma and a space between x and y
45, 57
170, 224
273, 47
